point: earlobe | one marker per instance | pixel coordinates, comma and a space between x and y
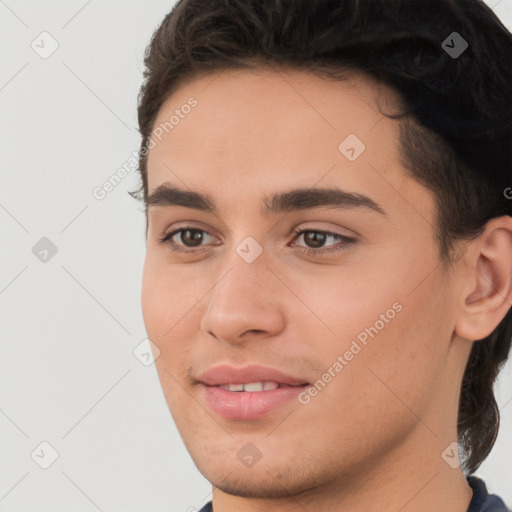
490, 281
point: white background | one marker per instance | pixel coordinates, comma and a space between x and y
68, 375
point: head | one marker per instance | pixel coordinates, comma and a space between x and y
244, 101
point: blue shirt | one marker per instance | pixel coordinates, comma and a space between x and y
481, 501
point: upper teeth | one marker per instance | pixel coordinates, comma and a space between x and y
250, 386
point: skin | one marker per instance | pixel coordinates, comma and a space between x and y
372, 439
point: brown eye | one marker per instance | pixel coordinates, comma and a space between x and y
315, 240
192, 237
189, 239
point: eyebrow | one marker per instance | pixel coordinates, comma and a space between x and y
297, 199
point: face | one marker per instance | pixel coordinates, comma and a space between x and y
356, 306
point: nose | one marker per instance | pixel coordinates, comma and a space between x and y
245, 302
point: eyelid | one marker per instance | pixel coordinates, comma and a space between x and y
188, 225
351, 233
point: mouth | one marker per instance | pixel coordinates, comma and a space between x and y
250, 401
255, 387
248, 393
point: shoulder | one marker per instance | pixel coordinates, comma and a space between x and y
208, 507
482, 501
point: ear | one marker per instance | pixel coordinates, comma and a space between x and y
487, 281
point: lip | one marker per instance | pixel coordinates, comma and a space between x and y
225, 374
243, 405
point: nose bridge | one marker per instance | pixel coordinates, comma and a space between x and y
243, 299
244, 269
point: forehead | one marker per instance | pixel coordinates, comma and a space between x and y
265, 129
263, 101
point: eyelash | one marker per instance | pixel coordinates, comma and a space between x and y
346, 242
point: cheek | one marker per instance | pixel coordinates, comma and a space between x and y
402, 362
391, 332
159, 311
170, 308
368, 403
164, 310
152, 300
165, 299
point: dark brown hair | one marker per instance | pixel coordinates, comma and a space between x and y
455, 127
